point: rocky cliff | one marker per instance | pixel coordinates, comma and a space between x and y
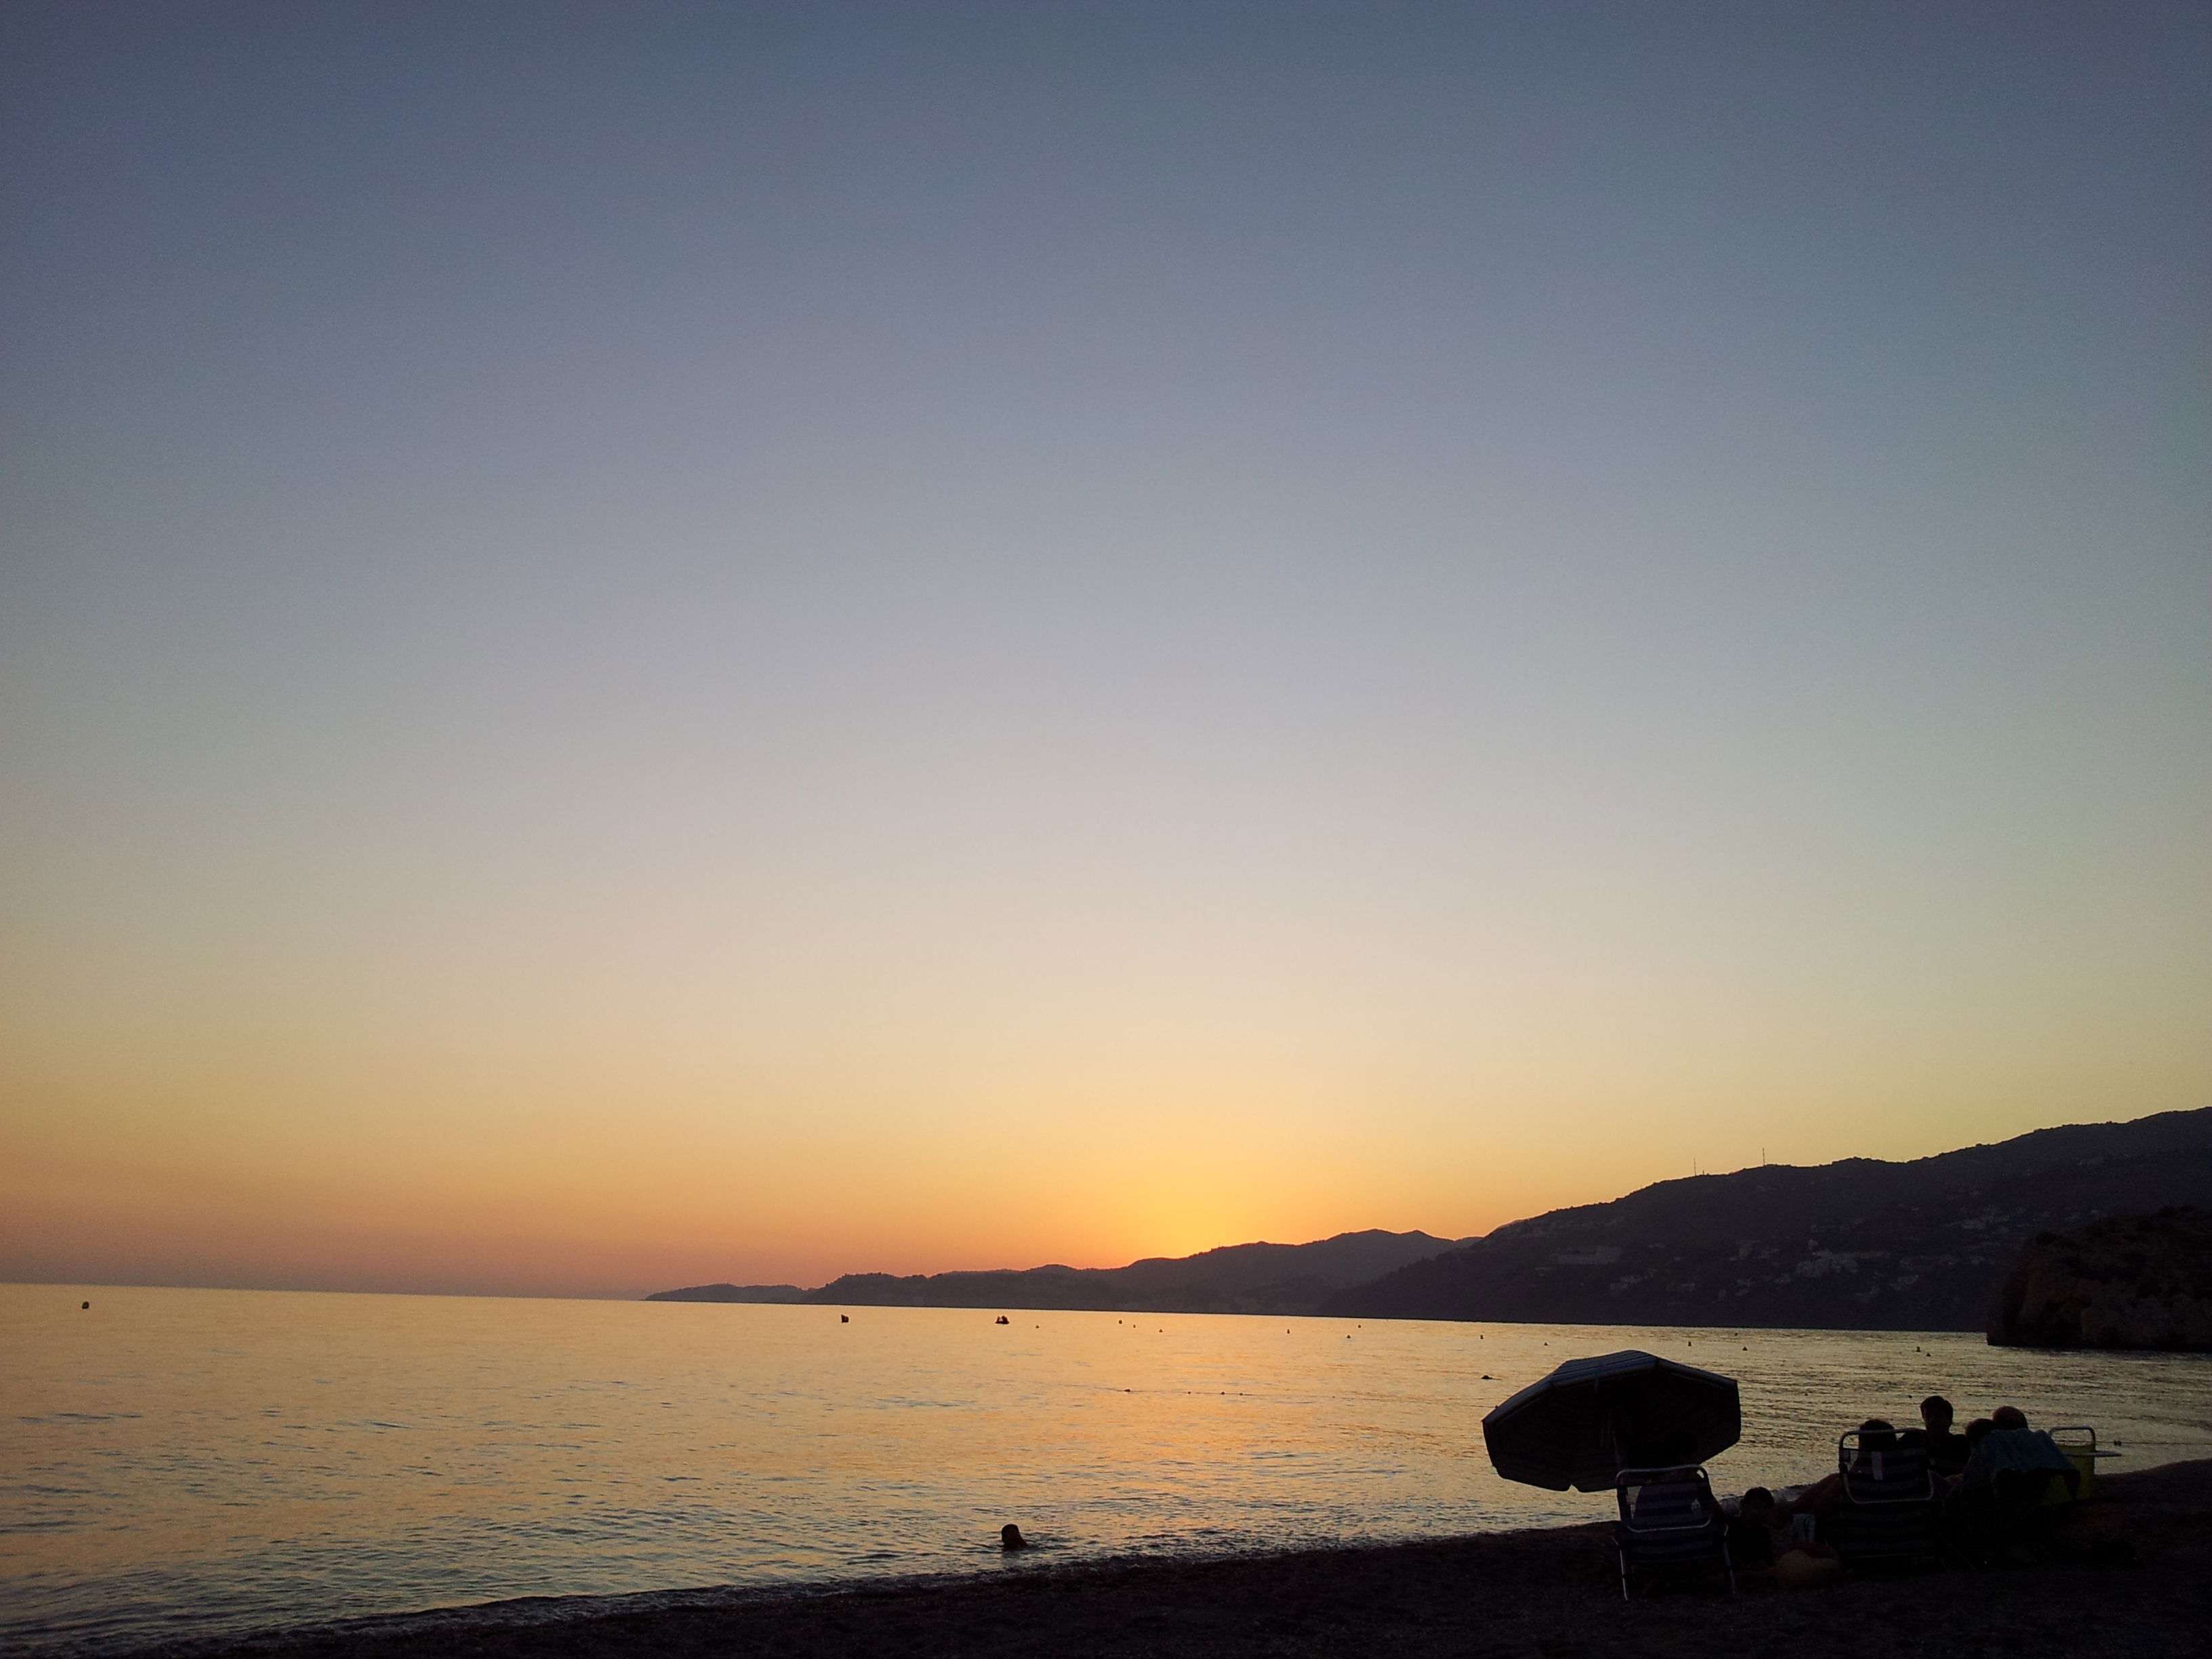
2132, 1282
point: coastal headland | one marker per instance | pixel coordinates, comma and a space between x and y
2147, 1593
2126, 1282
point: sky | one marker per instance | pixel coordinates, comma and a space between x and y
651, 643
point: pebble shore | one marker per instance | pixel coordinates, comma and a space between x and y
1535, 1594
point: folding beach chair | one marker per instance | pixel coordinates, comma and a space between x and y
1889, 1511
1669, 1527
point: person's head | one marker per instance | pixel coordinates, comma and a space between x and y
2008, 1416
1010, 1538
1935, 1413
1977, 1430
1876, 1435
1757, 1505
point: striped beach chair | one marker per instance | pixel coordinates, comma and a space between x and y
1888, 1512
1670, 1527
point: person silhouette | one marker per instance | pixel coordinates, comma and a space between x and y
1010, 1538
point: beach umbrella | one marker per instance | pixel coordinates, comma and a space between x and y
1591, 1419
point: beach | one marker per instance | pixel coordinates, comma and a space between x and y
1540, 1592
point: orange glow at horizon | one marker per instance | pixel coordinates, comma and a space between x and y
567, 1178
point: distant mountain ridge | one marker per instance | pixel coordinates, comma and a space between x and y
1862, 1244
731, 1293
1856, 1245
1255, 1279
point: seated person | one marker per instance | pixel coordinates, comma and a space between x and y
1758, 1532
1826, 1495
1977, 1431
1946, 1447
2010, 1448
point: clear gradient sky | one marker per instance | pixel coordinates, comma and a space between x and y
642, 643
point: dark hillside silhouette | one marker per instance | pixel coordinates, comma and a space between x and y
731, 1293
1269, 1279
1861, 1244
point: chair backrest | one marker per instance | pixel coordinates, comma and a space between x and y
1673, 1500
1889, 1471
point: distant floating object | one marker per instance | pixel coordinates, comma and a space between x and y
1003, 1320
844, 1319
87, 1305
1010, 1535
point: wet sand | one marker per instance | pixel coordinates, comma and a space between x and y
1537, 1595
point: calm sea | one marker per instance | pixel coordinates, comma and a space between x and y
191, 1462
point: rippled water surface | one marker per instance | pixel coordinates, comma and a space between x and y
185, 1462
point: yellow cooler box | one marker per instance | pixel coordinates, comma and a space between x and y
2080, 1445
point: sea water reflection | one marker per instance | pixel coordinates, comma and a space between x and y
195, 1462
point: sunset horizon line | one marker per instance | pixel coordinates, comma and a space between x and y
274, 1283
